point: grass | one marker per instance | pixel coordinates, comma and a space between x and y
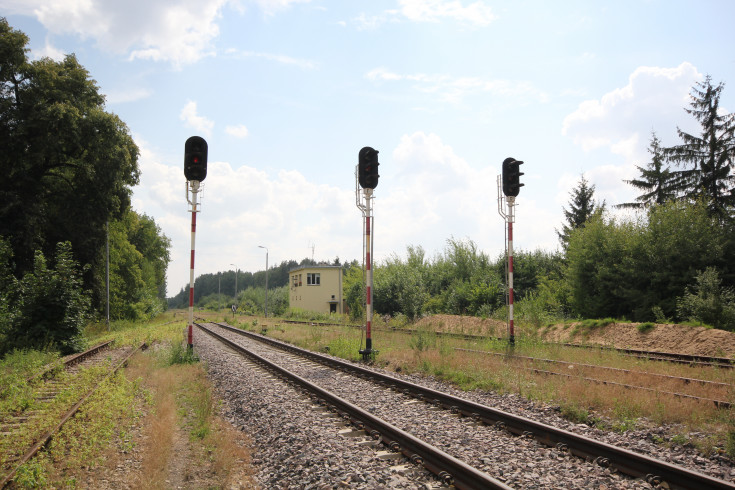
161, 407
609, 407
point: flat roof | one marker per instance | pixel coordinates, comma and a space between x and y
302, 267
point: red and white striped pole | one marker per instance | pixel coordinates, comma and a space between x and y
368, 352
511, 204
190, 333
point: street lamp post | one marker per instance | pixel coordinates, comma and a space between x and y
266, 279
237, 271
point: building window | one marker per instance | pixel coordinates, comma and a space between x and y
312, 279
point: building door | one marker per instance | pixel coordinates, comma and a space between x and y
333, 308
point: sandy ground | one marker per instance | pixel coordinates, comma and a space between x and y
662, 338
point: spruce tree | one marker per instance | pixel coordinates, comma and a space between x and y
581, 207
707, 159
655, 181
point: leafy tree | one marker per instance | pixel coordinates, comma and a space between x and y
139, 255
69, 165
629, 268
708, 158
581, 208
656, 181
48, 305
709, 303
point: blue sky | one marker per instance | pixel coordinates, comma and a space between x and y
286, 92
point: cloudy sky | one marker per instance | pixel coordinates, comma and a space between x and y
286, 92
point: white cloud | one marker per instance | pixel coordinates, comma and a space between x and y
270, 7
242, 208
193, 120
177, 31
128, 95
239, 131
454, 89
476, 13
49, 51
279, 58
622, 120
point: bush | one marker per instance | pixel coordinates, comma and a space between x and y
709, 302
48, 307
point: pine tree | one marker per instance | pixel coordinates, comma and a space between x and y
581, 207
655, 181
708, 159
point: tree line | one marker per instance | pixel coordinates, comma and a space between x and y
673, 260
68, 173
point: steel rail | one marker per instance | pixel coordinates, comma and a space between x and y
633, 464
718, 403
448, 468
719, 362
69, 361
44, 440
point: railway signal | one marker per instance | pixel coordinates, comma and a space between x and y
511, 177
367, 178
195, 159
195, 171
367, 168
510, 183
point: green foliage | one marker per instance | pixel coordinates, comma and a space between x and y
69, 170
581, 208
628, 268
707, 158
657, 183
181, 354
421, 340
139, 255
47, 307
709, 302
346, 348
353, 288
646, 327
69, 165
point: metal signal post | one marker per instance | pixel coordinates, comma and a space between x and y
366, 176
195, 171
509, 185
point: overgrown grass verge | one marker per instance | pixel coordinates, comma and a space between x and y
150, 424
609, 408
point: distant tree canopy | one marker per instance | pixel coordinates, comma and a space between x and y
69, 165
581, 207
707, 159
68, 171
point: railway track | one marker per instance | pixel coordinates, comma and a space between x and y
477, 423
725, 388
679, 358
30, 428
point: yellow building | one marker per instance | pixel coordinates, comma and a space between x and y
316, 288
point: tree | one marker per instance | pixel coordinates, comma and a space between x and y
47, 308
68, 164
707, 159
709, 303
655, 181
581, 207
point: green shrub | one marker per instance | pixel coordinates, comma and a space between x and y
709, 302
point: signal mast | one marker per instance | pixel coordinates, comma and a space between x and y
511, 186
366, 174
195, 171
